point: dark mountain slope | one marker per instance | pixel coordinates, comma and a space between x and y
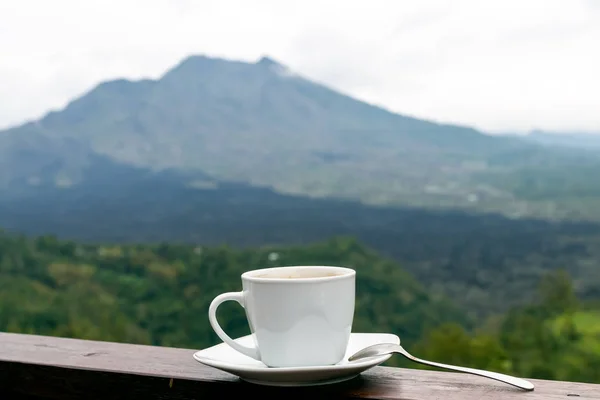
484, 262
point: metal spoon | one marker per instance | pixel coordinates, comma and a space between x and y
387, 348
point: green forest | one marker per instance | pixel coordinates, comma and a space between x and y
159, 294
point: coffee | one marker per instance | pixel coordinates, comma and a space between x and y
304, 273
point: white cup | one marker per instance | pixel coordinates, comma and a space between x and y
298, 316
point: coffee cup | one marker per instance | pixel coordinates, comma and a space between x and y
298, 315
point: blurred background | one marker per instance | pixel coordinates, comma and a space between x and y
449, 151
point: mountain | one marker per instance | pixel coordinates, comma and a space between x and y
252, 154
263, 124
583, 140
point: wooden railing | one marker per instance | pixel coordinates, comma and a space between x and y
41, 367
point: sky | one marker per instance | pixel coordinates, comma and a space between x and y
499, 66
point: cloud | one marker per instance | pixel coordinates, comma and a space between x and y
496, 65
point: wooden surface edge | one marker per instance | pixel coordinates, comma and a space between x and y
33, 366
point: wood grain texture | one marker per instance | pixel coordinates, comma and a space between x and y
40, 367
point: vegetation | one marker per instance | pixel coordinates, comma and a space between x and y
553, 338
484, 263
159, 294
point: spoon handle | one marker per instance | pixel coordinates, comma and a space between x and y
511, 380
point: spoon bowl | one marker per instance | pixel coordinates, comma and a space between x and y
387, 348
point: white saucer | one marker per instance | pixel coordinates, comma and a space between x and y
227, 359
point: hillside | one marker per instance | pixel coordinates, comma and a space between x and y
555, 337
263, 124
485, 263
160, 294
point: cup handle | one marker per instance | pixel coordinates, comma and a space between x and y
212, 317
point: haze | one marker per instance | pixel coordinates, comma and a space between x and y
496, 65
